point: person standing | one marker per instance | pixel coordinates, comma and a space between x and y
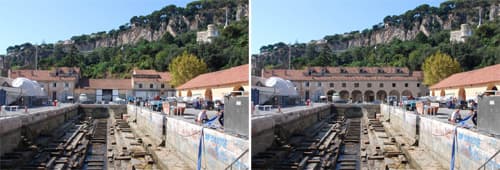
221, 116
474, 116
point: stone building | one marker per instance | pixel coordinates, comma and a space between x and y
459, 36
208, 35
468, 85
356, 83
216, 85
150, 83
105, 90
58, 83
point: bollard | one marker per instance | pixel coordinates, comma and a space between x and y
26, 109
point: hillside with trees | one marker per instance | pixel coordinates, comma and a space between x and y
147, 42
423, 31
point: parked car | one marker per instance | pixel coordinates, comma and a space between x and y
84, 99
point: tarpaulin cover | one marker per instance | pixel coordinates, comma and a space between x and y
283, 87
28, 87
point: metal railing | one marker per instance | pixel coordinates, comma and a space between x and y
236, 160
491, 158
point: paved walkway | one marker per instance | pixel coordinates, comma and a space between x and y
21, 112
258, 113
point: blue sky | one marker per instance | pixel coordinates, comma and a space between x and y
36, 21
289, 21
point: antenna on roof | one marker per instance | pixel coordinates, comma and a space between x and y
36, 57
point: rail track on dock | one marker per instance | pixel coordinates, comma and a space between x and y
74, 145
318, 147
335, 143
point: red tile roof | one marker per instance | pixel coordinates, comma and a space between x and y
121, 84
352, 74
238, 74
475, 77
145, 72
150, 75
42, 75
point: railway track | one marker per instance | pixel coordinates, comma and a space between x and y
96, 156
316, 148
74, 145
350, 149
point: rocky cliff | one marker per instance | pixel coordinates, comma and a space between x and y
404, 27
427, 25
174, 26
171, 19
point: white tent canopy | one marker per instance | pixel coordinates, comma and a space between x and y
283, 87
28, 87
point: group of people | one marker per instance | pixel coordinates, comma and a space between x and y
457, 117
203, 117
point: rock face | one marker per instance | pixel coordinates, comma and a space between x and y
389, 33
176, 25
386, 32
427, 25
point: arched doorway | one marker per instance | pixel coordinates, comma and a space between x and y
442, 93
189, 93
344, 94
461, 94
180, 94
236, 89
394, 93
433, 94
329, 94
369, 96
381, 95
356, 96
406, 93
208, 94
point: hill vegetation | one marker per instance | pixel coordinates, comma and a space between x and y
425, 29
228, 50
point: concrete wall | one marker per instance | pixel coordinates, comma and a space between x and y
149, 122
436, 136
31, 125
473, 148
101, 110
405, 121
220, 149
265, 127
350, 110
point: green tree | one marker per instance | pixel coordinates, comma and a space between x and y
439, 66
185, 67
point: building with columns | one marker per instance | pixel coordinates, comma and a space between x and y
468, 85
355, 83
216, 85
